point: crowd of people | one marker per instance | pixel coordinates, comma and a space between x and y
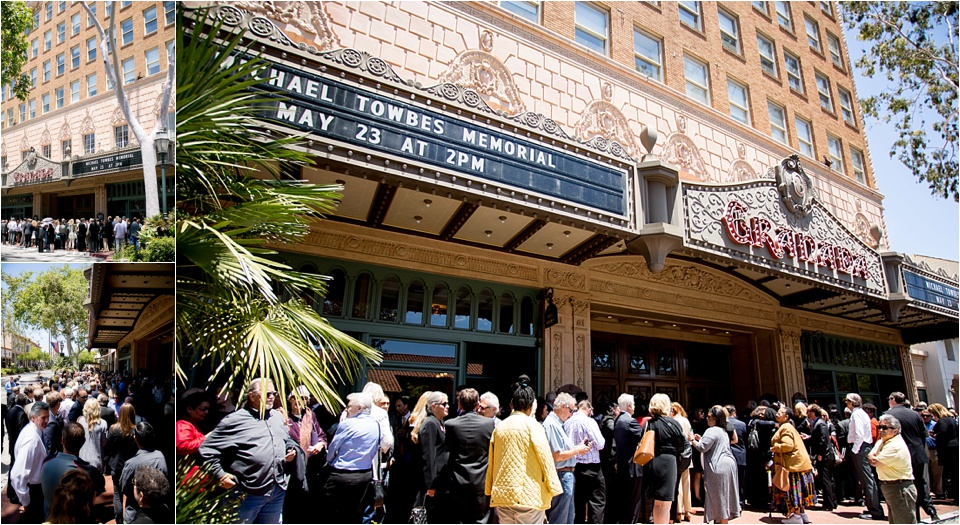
553, 460
81, 235
70, 433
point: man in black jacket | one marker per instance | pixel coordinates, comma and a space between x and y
17, 420
81, 235
462, 480
821, 452
94, 236
53, 433
627, 434
914, 432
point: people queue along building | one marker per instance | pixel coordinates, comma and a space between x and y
559, 459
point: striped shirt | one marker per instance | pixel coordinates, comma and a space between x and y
578, 427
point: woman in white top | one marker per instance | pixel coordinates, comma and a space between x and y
96, 434
72, 238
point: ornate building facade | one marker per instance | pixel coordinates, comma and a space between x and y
67, 151
630, 197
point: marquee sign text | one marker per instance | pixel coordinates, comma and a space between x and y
33, 177
930, 291
760, 232
108, 163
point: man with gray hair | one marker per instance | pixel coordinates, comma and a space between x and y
351, 460
564, 457
627, 434
489, 406
249, 448
891, 458
25, 473
860, 439
68, 397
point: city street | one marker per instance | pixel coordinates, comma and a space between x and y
15, 254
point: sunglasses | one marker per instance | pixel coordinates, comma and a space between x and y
884, 427
444, 404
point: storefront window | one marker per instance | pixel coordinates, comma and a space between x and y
603, 353
414, 312
665, 363
637, 356
506, 313
333, 301
462, 318
526, 316
439, 305
485, 311
390, 299
362, 291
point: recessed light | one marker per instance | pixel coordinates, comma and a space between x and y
488, 232
427, 202
503, 219
549, 245
417, 218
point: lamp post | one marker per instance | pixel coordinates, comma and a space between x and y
162, 142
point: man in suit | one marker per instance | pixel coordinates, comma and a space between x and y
462, 481
77, 409
821, 452
94, 236
627, 434
914, 433
106, 413
52, 435
739, 450
17, 420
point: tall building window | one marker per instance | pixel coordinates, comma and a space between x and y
592, 27
783, 16
170, 12
45, 103
833, 45
48, 7
827, 8
23, 112
33, 77
762, 7
61, 7
836, 153
170, 45
74, 57
805, 137
75, 24
689, 12
153, 60
89, 143
856, 160
61, 32
93, 7
91, 85
109, 10
92, 48
813, 34
46, 71
129, 73
846, 106
768, 56
823, 89
647, 52
729, 32
523, 9
61, 58
34, 48
66, 147
739, 101
126, 30
794, 74
33, 108
778, 122
58, 94
698, 79
149, 20
47, 40
47, 150
75, 92
122, 135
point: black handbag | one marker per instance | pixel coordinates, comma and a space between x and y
419, 513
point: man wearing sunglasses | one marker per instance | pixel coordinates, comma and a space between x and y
248, 450
891, 458
914, 434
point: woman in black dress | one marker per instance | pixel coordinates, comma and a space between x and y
945, 434
660, 474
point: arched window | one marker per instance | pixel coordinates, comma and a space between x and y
506, 313
362, 292
485, 311
526, 316
390, 299
462, 318
333, 301
439, 305
414, 311
309, 296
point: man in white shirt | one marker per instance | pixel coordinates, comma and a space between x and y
25, 474
861, 441
66, 403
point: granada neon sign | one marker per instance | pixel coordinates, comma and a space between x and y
760, 232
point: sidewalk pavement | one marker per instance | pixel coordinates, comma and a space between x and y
16, 254
846, 513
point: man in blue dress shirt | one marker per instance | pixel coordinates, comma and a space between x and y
351, 456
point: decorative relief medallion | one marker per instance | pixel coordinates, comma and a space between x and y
795, 186
118, 118
45, 136
741, 170
86, 126
682, 151
862, 229
65, 132
24, 143
601, 119
485, 74
559, 278
3, 148
309, 17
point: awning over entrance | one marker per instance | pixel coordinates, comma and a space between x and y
119, 294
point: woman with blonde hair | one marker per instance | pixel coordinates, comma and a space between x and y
661, 472
72, 237
684, 504
95, 430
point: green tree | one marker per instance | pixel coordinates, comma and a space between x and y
34, 357
238, 307
86, 357
914, 44
17, 20
52, 302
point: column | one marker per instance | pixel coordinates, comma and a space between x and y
567, 344
790, 357
909, 376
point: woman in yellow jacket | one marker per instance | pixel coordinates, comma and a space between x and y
790, 453
521, 476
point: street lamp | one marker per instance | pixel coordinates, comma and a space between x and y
162, 142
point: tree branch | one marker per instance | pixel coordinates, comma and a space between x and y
936, 62
168, 86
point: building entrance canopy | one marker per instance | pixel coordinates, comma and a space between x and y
119, 294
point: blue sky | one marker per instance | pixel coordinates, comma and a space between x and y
38, 336
916, 221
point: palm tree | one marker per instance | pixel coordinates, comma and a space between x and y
239, 309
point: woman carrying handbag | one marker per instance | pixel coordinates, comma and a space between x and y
793, 482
